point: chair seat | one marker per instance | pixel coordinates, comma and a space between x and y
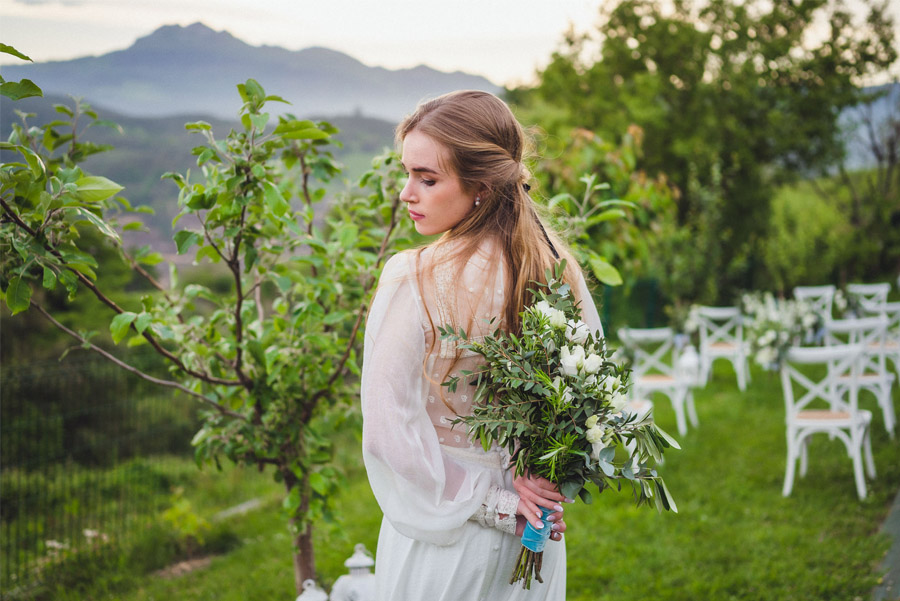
658, 379
812, 417
870, 379
723, 346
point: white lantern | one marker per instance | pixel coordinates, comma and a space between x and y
689, 366
359, 584
311, 592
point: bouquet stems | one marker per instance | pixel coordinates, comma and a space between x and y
531, 556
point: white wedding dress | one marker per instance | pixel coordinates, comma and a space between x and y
448, 527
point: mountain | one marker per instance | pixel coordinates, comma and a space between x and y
181, 70
148, 147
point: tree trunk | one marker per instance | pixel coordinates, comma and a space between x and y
304, 558
304, 555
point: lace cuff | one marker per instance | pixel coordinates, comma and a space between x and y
499, 502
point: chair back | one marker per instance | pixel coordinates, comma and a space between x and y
870, 333
820, 298
720, 325
650, 347
839, 361
869, 295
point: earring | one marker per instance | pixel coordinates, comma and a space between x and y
477, 201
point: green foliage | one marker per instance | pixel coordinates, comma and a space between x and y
607, 223
269, 356
733, 97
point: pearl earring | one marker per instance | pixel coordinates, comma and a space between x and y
477, 201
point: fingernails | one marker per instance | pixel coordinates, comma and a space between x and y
568, 500
551, 518
554, 527
558, 507
539, 525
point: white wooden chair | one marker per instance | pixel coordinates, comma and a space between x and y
654, 370
821, 298
869, 295
870, 334
891, 312
841, 418
722, 337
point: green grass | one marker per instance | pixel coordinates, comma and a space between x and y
734, 537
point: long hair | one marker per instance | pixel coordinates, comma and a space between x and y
485, 147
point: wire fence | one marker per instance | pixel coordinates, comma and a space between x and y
81, 442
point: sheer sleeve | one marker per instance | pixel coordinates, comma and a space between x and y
588, 309
424, 493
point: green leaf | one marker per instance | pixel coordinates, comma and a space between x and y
35, 162
7, 49
306, 134
18, 295
198, 126
49, 278
185, 239
143, 320
605, 272
16, 90
97, 222
275, 201
94, 188
318, 483
120, 324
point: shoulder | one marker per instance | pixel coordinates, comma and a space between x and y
399, 267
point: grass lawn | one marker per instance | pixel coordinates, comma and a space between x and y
734, 537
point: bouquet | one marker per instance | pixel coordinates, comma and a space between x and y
556, 401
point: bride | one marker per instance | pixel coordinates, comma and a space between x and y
453, 513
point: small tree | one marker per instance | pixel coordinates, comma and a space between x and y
271, 359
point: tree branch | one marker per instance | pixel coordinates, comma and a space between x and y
112, 305
134, 370
362, 309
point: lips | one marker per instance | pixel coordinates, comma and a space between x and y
416, 216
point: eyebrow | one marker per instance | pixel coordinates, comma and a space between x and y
420, 169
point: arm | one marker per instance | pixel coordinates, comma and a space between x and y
424, 494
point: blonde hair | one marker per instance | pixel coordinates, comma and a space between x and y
485, 147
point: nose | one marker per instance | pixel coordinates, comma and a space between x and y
406, 194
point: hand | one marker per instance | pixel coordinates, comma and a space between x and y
558, 526
536, 492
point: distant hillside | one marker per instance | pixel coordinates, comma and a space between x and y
150, 147
193, 70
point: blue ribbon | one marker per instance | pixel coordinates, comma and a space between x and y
534, 539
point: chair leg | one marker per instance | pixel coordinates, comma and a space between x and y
887, 408
789, 466
678, 398
740, 366
858, 473
692, 410
867, 450
804, 456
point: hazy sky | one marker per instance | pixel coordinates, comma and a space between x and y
504, 40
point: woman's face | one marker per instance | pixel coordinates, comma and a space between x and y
434, 196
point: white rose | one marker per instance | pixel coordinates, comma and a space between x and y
610, 384
591, 421
571, 361
557, 319
618, 402
592, 364
577, 331
595, 450
594, 435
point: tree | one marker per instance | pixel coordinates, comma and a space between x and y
734, 97
271, 360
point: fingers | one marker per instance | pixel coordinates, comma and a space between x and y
558, 528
